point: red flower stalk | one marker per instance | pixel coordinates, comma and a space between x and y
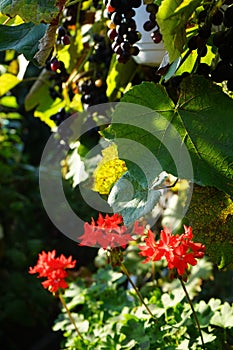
108, 232
179, 250
53, 269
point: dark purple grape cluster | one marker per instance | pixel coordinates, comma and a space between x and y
102, 52
70, 16
223, 40
60, 116
58, 76
122, 28
62, 36
62, 135
156, 36
199, 42
93, 92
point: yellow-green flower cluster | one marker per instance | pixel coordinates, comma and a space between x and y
109, 170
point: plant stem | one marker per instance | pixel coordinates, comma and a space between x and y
69, 314
194, 312
125, 271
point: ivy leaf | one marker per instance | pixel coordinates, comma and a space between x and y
23, 38
133, 199
172, 19
199, 122
35, 11
224, 317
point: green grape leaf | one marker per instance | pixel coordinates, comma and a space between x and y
23, 38
133, 199
214, 227
35, 11
224, 317
172, 19
199, 121
7, 82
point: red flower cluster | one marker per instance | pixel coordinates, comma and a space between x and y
179, 250
54, 269
107, 232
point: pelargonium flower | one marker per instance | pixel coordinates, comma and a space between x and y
54, 269
107, 232
178, 250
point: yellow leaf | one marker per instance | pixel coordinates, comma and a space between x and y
7, 82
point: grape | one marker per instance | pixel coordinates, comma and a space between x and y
133, 37
125, 45
112, 34
131, 23
217, 18
98, 83
116, 18
129, 13
54, 64
152, 17
118, 50
134, 50
59, 117
93, 91
148, 26
204, 32
228, 17
156, 36
136, 3
113, 3
202, 16
152, 8
65, 40
61, 32
122, 29
86, 99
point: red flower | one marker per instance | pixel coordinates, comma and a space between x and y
108, 232
54, 269
179, 250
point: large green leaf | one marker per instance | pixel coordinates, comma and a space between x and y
203, 119
23, 38
35, 11
172, 19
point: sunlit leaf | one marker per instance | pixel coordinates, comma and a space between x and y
172, 19
31, 11
7, 82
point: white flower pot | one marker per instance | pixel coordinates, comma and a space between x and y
151, 54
